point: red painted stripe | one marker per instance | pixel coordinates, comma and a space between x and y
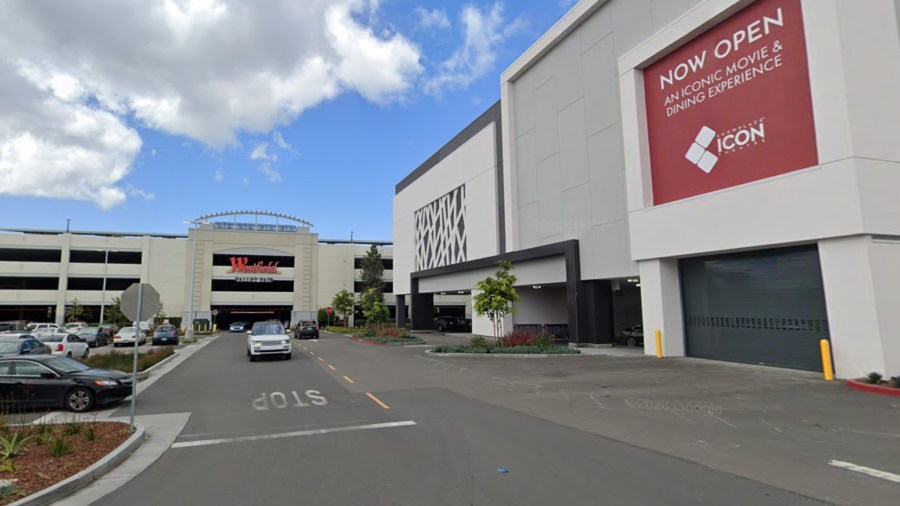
875, 389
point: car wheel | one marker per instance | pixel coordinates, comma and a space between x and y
631, 341
79, 400
253, 358
87, 351
287, 356
69, 355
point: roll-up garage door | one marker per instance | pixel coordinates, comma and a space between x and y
762, 307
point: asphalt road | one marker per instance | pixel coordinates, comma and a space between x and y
299, 432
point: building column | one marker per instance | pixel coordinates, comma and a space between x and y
862, 293
400, 309
661, 305
63, 285
422, 306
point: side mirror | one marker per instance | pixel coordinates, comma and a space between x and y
249, 331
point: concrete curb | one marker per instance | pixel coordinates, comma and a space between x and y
73, 483
142, 375
505, 355
376, 343
875, 389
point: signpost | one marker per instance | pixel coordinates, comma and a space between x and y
328, 311
139, 302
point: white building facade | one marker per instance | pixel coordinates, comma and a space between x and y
718, 170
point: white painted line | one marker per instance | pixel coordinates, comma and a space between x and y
284, 435
418, 346
884, 475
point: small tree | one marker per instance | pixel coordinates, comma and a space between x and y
113, 313
343, 303
373, 271
378, 313
75, 311
160, 314
368, 300
496, 296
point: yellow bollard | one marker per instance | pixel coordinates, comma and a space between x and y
658, 343
827, 367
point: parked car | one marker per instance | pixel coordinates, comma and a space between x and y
110, 328
37, 326
74, 327
307, 328
452, 323
67, 345
13, 326
45, 332
49, 381
26, 346
268, 338
237, 327
632, 336
126, 335
165, 334
94, 336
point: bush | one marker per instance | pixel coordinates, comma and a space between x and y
895, 381
478, 342
343, 330
10, 446
520, 337
72, 428
873, 378
516, 350
59, 446
543, 340
123, 361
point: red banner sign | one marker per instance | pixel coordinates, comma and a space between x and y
242, 264
733, 105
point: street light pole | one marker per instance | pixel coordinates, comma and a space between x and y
103, 297
190, 330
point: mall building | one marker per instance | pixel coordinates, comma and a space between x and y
722, 171
238, 266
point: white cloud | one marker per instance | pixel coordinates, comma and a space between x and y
136, 192
269, 173
484, 31
219, 177
260, 152
434, 18
74, 75
279, 141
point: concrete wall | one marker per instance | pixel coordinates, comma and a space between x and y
473, 164
546, 305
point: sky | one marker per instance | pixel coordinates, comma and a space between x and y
139, 115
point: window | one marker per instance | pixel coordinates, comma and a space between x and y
29, 369
30, 255
268, 329
4, 368
113, 284
99, 257
23, 283
387, 263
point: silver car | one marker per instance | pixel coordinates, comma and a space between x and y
268, 338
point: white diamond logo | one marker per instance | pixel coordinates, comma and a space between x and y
698, 154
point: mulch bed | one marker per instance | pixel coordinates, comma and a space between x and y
36, 469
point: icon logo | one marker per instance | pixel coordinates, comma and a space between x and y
698, 153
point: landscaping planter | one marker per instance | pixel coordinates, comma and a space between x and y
385, 343
875, 389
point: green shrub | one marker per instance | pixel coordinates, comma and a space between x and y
343, 330
9, 489
895, 381
72, 428
449, 348
10, 446
543, 340
6, 466
478, 342
516, 350
59, 446
89, 433
123, 361
873, 378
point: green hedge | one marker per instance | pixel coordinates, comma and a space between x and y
512, 350
407, 340
345, 330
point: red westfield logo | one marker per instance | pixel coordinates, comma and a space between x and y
242, 264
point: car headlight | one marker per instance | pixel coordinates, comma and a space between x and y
285, 341
257, 344
106, 383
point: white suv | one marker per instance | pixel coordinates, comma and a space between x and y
268, 338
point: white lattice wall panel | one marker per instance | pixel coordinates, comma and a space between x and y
440, 231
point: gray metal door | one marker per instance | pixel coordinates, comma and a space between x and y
761, 307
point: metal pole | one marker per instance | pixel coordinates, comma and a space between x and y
190, 330
137, 341
105, 272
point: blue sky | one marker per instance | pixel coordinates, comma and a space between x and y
138, 117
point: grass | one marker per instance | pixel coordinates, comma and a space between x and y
345, 330
123, 361
510, 350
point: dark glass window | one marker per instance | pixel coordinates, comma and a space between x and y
114, 284
99, 257
16, 283
225, 260
29, 255
388, 263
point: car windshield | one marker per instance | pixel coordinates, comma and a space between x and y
165, 328
267, 329
89, 331
126, 330
9, 347
65, 365
52, 338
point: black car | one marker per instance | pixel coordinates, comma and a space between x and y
165, 334
307, 328
632, 336
23, 346
49, 381
94, 336
452, 323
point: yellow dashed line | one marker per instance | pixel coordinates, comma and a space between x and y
378, 401
321, 359
348, 379
331, 367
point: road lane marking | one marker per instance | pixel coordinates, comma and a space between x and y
348, 379
321, 359
313, 354
331, 367
418, 345
285, 435
378, 401
884, 475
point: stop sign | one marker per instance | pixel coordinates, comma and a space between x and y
149, 301
328, 310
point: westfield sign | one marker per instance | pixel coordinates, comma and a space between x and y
242, 264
